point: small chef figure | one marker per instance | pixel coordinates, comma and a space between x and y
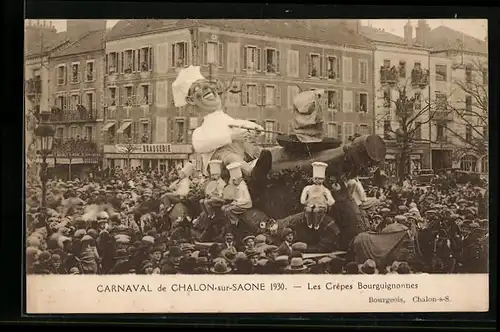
179, 189
214, 190
242, 200
220, 136
316, 197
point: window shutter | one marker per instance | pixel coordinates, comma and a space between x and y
94, 104
236, 57
172, 55
309, 65
259, 59
289, 63
230, 57
279, 60
265, 61
321, 67
133, 61
136, 131
187, 52
221, 55
65, 74
260, 95
278, 96
339, 131
106, 69
120, 92
244, 94
171, 130
151, 58
122, 63
357, 101
150, 96
204, 52
245, 58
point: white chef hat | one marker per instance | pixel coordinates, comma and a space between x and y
319, 169
215, 166
183, 82
188, 169
234, 170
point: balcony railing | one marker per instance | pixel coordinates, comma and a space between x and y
74, 147
80, 114
33, 86
419, 77
389, 74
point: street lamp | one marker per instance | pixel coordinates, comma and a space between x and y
44, 139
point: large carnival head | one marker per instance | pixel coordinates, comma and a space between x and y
192, 88
307, 102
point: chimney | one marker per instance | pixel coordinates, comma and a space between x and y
35, 30
422, 33
408, 33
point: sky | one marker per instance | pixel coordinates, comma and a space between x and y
474, 28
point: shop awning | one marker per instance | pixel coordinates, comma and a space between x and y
107, 126
124, 126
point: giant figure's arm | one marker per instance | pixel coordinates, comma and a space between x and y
303, 196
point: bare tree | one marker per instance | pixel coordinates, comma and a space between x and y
470, 110
71, 149
128, 147
406, 114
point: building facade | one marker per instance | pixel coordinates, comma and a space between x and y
401, 66
459, 75
264, 66
76, 90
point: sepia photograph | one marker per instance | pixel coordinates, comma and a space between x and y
161, 154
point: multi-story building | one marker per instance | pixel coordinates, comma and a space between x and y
459, 76
76, 89
266, 62
401, 65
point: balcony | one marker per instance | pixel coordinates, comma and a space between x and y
33, 87
420, 77
74, 147
389, 75
80, 114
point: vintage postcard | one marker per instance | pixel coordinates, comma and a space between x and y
220, 166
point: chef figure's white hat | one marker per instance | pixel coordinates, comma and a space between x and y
234, 170
215, 166
319, 169
188, 169
183, 82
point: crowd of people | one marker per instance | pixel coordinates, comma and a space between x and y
119, 224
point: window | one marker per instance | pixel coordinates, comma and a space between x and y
331, 130
112, 96
179, 130
88, 133
269, 126
75, 72
484, 164
441, 131
441, 102
363, 102
251, 97
332, 67
61, 102
145, 59
347, 69
61, 75
387, 129
270, 95
314, 65
128, 61
387, 97
145, 132
402, 69
364, 129
348, 131
468, 164
128, 96
468, 133
418, 131
60, 133
145, 95
272, 60
418, 100
89, 71
468, 104
468, 73
293, 63
441, 74
74, 132
180, 55
233, 57
293, 91
213, 53
74, 101
484, 73
363, 71
332, 99
252, 58
112, 63
347, 102
90, 101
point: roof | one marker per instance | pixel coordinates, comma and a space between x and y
47, 44
444, 38
378, 35
91, 42
294, 29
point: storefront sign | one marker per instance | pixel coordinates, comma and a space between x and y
176, 156
159, 148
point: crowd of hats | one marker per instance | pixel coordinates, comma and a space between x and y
114, 226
